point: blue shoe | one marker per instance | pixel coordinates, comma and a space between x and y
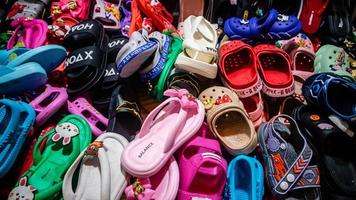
245, 179
16, 120
332, 93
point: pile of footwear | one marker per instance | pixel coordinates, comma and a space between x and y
187, 100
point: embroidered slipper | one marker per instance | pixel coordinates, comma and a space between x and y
174, 50
183, 114
200, 160
332, 93
65, 142
48, 103
30, 33
152, 67
311, 15
290, 168
199, 48
275, 68
238, 66
337, 165
108, 14
254, 108
27, 9
100, 176
81, 107
86, 64
330, 58
124, 114
134, 53
160, 186
16, 120
301, 51
228, 120
245, 179
79, 9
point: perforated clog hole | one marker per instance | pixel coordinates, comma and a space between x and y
86, 114
100, 126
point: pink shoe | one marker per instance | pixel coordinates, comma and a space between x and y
165, 129
202, 169
161, 186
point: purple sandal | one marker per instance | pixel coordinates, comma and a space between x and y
126, 21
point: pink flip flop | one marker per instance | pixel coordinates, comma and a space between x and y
161, 186
30, 33
165, 129
200, 162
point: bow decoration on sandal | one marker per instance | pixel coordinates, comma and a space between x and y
188, 100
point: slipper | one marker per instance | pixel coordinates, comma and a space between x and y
200, 160
254, 107
160, 186
152, 67
228, 120
14, 80
181, 80
16, 121
27, 9
124, 114
134, 53
238, 66
30, 33
65, 142
85, 65
245, 179
48, 103
174, 50
276, 73
59, 28
199, 48
330, 58
126, 20
79, 9
301, 51
151, 149
311, 15
100, 176
290, 168
335, 152
332, 93
83, 108
39, 55
108, 14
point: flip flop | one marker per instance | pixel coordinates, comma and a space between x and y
162, 185
100, 176
30, 33
79, 9
199, 48
200, 160
238, 66
16, 121
126, 20
108, 14
311, 15
245, 179
320, 90
65, 142
334, 148
48, 103
124, 114
228, 120
276, 73
148, 153
290, 168
134, 53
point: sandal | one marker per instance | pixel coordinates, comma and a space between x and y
108, 14
311, 15
27, 9
78, 9
228, 120
290, 168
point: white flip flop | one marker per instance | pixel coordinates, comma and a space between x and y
100, 175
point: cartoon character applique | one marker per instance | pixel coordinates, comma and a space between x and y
23, 191
66, 131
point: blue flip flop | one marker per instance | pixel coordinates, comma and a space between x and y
245, 179
7, 55
48, 57
18, 79
16, 120
333, 93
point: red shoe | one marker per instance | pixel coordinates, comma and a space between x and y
311, 15
238, 66
275, 70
